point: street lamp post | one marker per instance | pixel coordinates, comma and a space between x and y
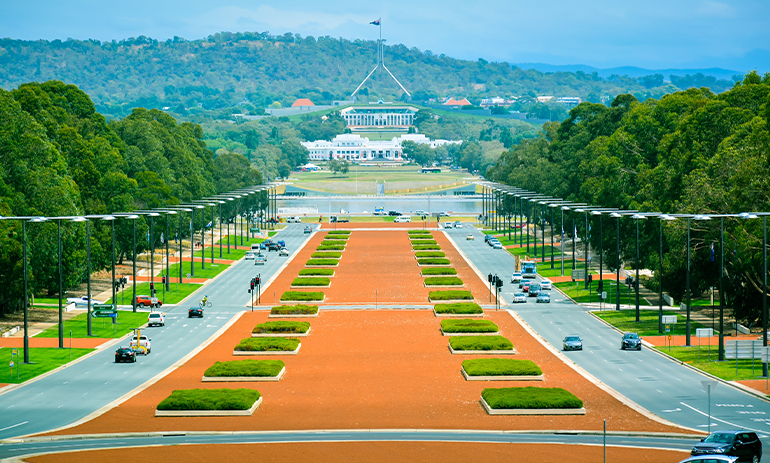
639, 217
617, 256
756, 215
662, 217
601, 252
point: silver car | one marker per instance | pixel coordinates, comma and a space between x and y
572, 342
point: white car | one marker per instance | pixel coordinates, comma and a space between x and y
144, 345
420, 213
250, 255
156, 318
546, 284
458, 224
283, 252
519, 297
497, 245
82, 301
516, 277
402, 219
260, 259
448, 225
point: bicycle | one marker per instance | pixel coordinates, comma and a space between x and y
201, 304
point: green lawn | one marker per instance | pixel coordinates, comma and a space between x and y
648, 321
100, 327
577, 291
210, 271
530, 398
706, 360
174, 295
44, 359
210, 399
522, 251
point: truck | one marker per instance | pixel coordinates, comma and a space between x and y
528, 269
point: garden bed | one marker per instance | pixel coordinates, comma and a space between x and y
426, 247
531, 401
322, 262
480, 345
458, 309
210, 402
336, 236
294, 311
320, 272
338, 232
468, 326
326, 247
333, 243
311, 282
326, 255
450, 295
302, 296
434, 261
245, 370
424, 254
268, 346
418, 232
424, 243
432, 282
496, 369
280, 328
438, 271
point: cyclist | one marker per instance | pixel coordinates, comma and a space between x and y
204, 300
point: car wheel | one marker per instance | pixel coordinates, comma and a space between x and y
755, 459
141, 305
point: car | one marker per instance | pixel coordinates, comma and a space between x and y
142, 301
335, 219
420, 212
283, 252
488, 237
516, 277
543, 297
195, 312
273, 246
524, 285
308, 229
125, 354
546, 284
402, 219
249, 255
394, 213
742, 444
448, 225
144, 345
82, 301
534, 289
469, 237
492, 241
497, 245
458, 224
710, 459
572, 342
294, 219
260, 259
519, 297
156, 318
631, 341
442, 214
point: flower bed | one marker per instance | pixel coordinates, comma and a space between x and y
458, 308
251, 346
497, 369
312, 282
311, 272
423, 254
281, 327
433, 261
299, 309
302, 296
438, 271
245, 370
531, 401
327, 262
325, 247
468, 326
450, 295
480, 343
326, 255
427, 247
443, 281
209, 402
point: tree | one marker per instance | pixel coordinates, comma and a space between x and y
418, 152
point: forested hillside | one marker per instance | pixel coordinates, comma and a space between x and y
60, 157
252, 70
689, 152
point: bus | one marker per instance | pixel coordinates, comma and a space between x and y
528, 269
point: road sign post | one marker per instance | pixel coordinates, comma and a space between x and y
709, 385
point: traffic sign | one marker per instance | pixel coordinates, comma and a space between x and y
704, 332
669, 319
578, 274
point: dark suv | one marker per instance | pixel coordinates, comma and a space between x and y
742, 444
631, 341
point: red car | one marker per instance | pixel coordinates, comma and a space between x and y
142, 301
525, 286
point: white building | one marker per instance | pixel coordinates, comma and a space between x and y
379, 115
355, 148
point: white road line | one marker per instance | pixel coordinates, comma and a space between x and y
13, 426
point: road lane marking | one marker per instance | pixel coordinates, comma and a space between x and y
737, 426
13, 426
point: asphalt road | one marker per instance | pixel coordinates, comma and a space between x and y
665, 388
84, 387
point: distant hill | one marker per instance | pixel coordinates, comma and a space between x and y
631, 71
245, 72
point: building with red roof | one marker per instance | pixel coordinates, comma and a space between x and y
302, 102
453, 102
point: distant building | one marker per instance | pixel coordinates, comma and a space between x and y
570, 101
380, 115
457, 103
302, 102
496, 101
355, 148
543, 99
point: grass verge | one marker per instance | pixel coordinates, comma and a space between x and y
260, 368
44, 359
463, 308
210, 271
443, 281
267, 344
468, 326
530, 398
282, 327
210, 399
577, 291
177, 292
438, 271
501, 367
100, 327
480, 343
647, 325
298, 309
302, 296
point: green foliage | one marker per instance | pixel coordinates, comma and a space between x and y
433, 261
480, 343
100, 327
248, 368
210, 399
501, 367
465, 308
43, 360
438, 271
326, 255
412, 233
443, 281
468, 326
530, 398
267, 344
338, 232
420, 238
336, 236
625, 320
306, 272
430, 254
282, 327
450, 295
333, 242
311, 282
302, 296
326, 247
298, 309
322, 262
428, 247
424, 243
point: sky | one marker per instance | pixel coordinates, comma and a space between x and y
652, 34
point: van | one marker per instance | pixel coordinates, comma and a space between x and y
255, 247
294, 219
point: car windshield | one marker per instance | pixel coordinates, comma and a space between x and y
572, 338
631, 336
720, 438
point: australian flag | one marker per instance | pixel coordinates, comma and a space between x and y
376, 22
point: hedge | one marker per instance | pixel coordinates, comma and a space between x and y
501, 367
210, 399
429, 254
443, 281
424, 243
316, 272
333, 243
326, 255
439, 271
322, 262
302, 296
282, 327
336, 237
467, 326
418, 232
260, 368
530, 398
427, 247
480, 343
267, 344
317, 281
466, 308
450, 294
421, 237
324, 247
299, 309
433, 261
338, 232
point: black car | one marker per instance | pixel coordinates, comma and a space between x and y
195, 312
394, 213
125, 354
631, 341
742, 444
273, 246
